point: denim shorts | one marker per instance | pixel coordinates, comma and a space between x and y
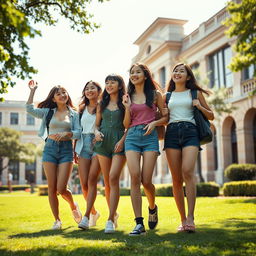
181, 134
58, 152
138, 142
87, 149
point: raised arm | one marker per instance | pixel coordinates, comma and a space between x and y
32, 86
36, 112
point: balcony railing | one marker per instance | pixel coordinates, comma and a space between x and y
248, 86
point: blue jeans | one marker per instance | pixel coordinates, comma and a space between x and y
181, 134
87, 149
138, 142
58, 152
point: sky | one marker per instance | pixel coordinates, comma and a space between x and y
68, 58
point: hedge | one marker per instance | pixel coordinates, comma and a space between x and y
240, 188
14, 187
203, 189
236, 172
43, 190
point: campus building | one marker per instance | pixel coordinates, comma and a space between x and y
13, 115
209, 50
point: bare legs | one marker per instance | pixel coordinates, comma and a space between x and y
88, 173
111, 169
182, 165
57, 178
143, 176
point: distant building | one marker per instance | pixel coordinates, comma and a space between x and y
162, 45
13, 115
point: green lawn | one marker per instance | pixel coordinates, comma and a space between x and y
225, 226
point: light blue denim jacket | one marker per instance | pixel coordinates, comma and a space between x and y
42, 113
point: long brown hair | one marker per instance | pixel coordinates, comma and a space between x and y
85, 101
150, 86
48, 102
190, 84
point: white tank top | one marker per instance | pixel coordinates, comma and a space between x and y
88, 122
180, 107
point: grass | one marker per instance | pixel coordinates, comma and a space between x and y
225, 226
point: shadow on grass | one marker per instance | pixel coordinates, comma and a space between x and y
234, 237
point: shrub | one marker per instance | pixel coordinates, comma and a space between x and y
203, 189
14, 187
236, 172
240, 188
43, 190
207, 189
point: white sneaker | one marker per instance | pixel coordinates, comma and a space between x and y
57, 225
84, 224
77, 214
110, 227
93, 219
115, 219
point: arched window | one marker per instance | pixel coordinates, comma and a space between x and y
234, 143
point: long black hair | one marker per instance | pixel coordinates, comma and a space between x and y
48, 102
85, 101
190, 84
121, 91
150, 86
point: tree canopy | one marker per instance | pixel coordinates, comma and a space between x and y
242, 25
13, 149
17, 19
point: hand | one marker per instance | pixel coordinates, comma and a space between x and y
60, 135
99, 136
32, 85
149, 128
196, 103
165, 110
119, 146
126, 100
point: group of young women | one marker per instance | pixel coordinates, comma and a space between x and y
117, 126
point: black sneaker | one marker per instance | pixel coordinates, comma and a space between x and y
152, 218
138, 230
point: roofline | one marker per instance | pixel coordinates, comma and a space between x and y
158, 21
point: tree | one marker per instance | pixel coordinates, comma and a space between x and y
16, 19
242, 25
13, 149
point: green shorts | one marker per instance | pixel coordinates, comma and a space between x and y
107, 146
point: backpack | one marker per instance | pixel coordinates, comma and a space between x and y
48, 119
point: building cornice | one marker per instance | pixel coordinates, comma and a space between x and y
159, 21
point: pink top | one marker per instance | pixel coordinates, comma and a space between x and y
142, 114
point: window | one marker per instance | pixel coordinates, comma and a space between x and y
149, 49
249, 72
220, 74
29, 169
162, 77
30, 120
14, 168
14, 118
0, 118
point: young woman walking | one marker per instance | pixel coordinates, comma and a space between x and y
88, 164
141, 104
60, 125
110, 137
181, 142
